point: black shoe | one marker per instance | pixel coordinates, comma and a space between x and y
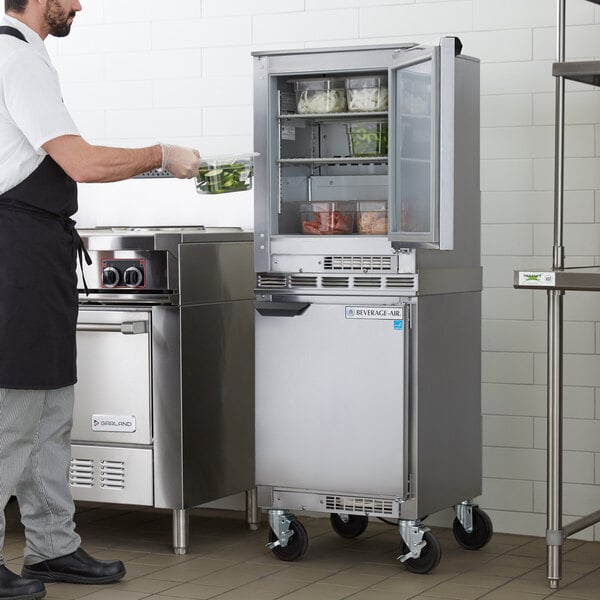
77, 567
13, 587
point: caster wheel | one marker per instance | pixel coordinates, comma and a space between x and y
353, 527
431, 554
296, 546
481, 534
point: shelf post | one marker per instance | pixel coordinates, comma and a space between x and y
554, 534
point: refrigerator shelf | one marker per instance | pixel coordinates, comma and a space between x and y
583, 71
333, 160
341, 116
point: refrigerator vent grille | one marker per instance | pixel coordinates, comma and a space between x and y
271, 281
372, 506
406, 281
112, 474
367, 282
81, 472
335, 282
303, 281
357, 263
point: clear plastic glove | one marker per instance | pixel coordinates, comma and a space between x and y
181, 162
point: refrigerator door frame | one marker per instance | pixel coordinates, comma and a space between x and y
441, 230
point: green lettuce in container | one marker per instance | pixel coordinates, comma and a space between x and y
222, 174
368, 138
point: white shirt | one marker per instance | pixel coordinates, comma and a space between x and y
31, 108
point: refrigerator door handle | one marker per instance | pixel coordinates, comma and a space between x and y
280, 309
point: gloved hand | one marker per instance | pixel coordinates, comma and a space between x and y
181, 162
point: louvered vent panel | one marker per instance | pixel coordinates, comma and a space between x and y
303, 281
112, 474
335, 282
400, 282
372, 506
357, 263
367, 282
267, 280
81, 472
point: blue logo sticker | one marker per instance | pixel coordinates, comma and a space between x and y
399, 325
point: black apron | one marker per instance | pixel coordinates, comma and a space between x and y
38, 280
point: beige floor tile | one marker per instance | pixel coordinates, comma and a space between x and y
190, 570
138, 570
110, 593
235, 576
194, 590
456, 591
408, 583
67, 591
371, 594
586, 552
477, 579
149, 586
321, 591
353, 578
507, 593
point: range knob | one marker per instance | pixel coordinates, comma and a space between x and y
133, 277
110, 277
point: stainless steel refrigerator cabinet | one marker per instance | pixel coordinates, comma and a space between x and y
368, 294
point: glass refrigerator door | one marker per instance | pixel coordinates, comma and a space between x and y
414, 154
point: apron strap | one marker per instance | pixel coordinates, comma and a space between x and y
81, 251
13, 31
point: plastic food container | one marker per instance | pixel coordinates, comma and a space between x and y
319, 96
227, 173
369, 138
372, 217
367, 94
327, 218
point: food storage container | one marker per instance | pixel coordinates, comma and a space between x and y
327, 218
372, 217
227, 173
367, 94
369, 138
318, 96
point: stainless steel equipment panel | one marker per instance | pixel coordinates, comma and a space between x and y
113, 395
109, 474
336, 399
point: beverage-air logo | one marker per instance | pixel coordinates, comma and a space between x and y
115, 423
392, 313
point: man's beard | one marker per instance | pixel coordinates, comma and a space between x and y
57, 20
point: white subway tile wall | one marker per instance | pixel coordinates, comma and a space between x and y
138, 71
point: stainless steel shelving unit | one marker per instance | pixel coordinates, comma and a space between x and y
557, 282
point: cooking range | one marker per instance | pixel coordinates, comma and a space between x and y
164, 404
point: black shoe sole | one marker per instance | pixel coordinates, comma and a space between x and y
54, 577
27, 596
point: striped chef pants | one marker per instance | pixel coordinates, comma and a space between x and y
35, 452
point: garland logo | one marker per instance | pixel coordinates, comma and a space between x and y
115, 423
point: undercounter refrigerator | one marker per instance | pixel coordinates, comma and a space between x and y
368, 293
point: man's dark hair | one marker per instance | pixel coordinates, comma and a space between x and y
17, 6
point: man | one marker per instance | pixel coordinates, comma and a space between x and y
42, 156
